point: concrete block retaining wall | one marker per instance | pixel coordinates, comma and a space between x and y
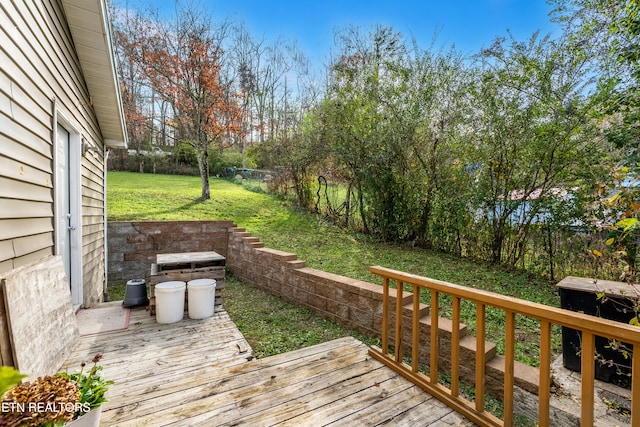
358, 305
353, 303
132, 246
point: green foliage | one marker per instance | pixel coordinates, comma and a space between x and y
607, 33
532, 140
186, 154
221, 160
619, 216
467, 157
295, 159
9, 377
390, 117
322, 246
91, 384
254, 156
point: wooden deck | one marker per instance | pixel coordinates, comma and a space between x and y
201, 373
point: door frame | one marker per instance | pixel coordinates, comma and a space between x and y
75, 202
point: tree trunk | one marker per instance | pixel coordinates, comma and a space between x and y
203, 164
347, 206
363, 216
549, 245
422, 236
497, 241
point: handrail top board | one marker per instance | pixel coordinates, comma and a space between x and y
575, 320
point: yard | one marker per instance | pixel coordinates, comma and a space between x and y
273, 326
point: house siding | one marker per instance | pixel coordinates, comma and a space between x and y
39, 73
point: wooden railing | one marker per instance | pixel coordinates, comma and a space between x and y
589, 326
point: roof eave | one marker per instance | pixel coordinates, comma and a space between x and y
89, 25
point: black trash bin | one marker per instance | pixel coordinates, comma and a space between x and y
581, 295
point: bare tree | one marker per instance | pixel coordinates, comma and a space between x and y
182, 64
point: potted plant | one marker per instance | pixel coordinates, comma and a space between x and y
54, 400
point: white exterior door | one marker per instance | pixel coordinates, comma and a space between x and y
63, 214
68, 210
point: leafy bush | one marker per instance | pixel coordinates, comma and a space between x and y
221, 162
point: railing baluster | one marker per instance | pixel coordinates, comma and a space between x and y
588, 326
385, 316
415, 330
635, 387
433, 356
509, 356
544, 389
588, 375
398, 340
480, 355
455, 348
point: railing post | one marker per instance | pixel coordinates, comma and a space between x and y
548, 316
415, 330
433, 353
588, 372
385, 316
635, 387
509, 358
544, 389
480, 355
455, 348
398, 341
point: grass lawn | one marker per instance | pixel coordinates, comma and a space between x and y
323, 246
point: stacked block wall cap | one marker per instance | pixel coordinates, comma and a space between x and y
189, 227
445, 325
423, 310
278, 255
124, 227
525, 376
468, 344
209, 226
368, 288
297, 264
327, 277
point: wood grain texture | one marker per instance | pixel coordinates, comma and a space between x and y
201, 372
6, 355
189, 259
41, 320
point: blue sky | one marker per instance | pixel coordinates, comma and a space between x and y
469, 24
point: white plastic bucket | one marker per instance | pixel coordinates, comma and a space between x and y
169, 301
202, 297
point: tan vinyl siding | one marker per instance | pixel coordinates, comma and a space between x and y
39, 67
15, 228
13, 188
21, 172
93, 234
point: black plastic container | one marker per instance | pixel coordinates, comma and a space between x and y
581, 295
135, 293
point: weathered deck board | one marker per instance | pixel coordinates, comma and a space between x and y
197, 372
